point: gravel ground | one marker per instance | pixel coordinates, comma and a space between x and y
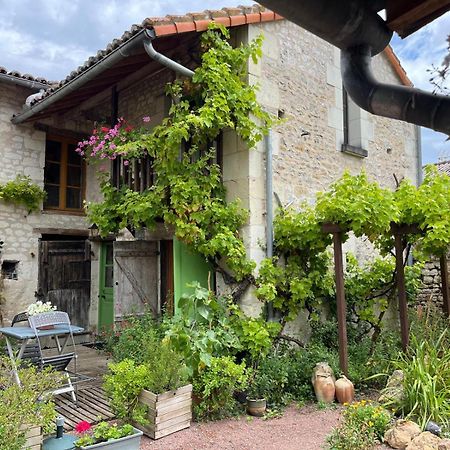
297, 429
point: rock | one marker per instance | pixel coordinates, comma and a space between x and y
401, 434
444, 444
433, 427
425, 441
394, 390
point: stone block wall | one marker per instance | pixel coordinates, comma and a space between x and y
431, 287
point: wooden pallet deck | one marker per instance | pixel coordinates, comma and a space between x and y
92, 404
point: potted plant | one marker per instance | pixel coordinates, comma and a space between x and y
154, 395
256, 396
107, 436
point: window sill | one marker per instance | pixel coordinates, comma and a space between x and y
354, 151
63, 211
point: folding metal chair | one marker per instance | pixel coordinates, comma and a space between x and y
60, 361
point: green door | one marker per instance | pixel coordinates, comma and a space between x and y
106, 288
188, 267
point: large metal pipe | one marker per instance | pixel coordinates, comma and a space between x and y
341, 23
397, 102
361, 33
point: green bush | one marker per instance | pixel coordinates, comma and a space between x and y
215, 386
22, 191
163, 370
26, 404
363, 427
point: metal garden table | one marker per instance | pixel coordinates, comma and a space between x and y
24, 335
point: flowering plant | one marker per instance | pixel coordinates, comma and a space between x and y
107, 143
39, 308
102, 432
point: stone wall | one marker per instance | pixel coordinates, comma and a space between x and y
431, 287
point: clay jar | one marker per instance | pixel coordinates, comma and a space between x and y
345, 391
323, 382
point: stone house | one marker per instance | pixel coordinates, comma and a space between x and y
54, 254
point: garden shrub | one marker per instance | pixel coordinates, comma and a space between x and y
26, 404
136, 339
363, 427
214, 386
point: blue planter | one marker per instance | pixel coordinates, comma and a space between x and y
131, 442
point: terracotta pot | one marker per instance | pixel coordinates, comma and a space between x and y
345, 391
324, 389
256, 407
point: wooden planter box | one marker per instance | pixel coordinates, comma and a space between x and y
168, 412
33, 438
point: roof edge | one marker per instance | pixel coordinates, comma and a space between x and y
398, 68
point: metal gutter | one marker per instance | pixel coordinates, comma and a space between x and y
31, 84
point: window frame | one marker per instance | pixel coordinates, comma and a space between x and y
63, 170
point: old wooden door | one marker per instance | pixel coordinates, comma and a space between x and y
65, 277
136, 280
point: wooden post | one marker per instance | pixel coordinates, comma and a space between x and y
444, 285
401, 290
341, 303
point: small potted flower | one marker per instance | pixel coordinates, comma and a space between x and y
106, 436
38, 308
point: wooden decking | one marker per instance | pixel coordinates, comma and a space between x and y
92, 404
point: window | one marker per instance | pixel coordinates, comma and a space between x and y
355, 127
64, 175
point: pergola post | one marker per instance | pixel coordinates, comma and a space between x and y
340, 301
401, 290
444, 285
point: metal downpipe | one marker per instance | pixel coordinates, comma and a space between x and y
269, 206
396, 102
164, 60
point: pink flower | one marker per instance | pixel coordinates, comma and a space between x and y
113, 146
146, 119
82, 427
126, 163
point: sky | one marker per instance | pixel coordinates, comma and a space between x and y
50, 38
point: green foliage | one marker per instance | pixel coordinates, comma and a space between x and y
358, 205
202, 329
215, 385
161, 370
22, 191
137, 338
271, 381
364, 426
189, 194
103, 432
208, 326
426, 369
429, 207
25, 405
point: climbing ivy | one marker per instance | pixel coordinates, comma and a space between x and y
188, 193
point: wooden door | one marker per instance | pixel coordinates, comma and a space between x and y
136, 284
106, 287
65, 277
